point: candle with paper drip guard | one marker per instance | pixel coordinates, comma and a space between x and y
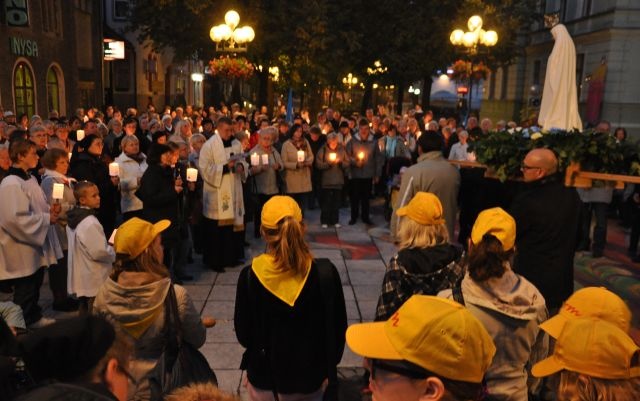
58, 191
332, 156
80, 134
265, 159
192, 174
360, 156
114, 169
301, 156
255, 159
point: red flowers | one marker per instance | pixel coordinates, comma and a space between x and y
227, 67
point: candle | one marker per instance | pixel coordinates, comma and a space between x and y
112, 238
255, 159
58, 191
80, 135
301, 156
192, 174
360, 155
332, 156
70, 155
114, 169
265, 159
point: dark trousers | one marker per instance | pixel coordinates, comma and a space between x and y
221, 247
58, 278
128, 216
331, 201
360, 192
315, 198
260, 200
85, 305
302, 198
26, 294
599, 209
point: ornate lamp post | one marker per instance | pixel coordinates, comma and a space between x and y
350, 81
228, 37
469, 41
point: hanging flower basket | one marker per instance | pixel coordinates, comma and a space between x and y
231, 67
461, 71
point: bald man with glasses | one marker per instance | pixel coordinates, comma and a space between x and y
546, 214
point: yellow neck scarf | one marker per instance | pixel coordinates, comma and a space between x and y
284, 284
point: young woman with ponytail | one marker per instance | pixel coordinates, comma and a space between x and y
509, 306
290, 312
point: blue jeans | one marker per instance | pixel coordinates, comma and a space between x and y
599, 231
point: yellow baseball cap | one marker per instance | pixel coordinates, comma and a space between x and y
434, 333
277, 208
497, 222
593, 347
135, 235
424, 208
596, 302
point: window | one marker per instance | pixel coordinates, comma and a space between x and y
51, 16
536, 72
579, 72
53, 90
575, 9
120, 10
24, 89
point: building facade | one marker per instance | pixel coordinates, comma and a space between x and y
146, 76
51, 55
605, 32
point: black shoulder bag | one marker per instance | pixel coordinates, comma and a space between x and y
180, 363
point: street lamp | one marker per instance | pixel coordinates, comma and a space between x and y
469, 41
228, 37
350, 81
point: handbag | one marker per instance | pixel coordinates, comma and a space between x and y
180, 363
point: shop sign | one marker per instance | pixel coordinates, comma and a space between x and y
23, 47
17, 12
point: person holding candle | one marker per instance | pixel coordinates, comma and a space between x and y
223, 174
131, 166
265, 174
56, 164
90, 256
26, 244
88, 166
366, 166
297, 158
333, 162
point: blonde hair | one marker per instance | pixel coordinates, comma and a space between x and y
416, 235
150, 260
287, 245
575, 386
200, 392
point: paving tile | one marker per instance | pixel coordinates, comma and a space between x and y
349, 359
222, 332
326, 253
229, 380
198, 292
223, 355
366, 278
223, 293
228, 278
219, 309
365, 265
368, 310
353, 313
348, 293
367, 292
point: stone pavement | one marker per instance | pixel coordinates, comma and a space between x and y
360, 253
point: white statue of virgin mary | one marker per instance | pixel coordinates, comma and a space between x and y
559, 107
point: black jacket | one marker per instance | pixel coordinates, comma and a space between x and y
286, 344
546, 214
69, 392
160, 199
91, 168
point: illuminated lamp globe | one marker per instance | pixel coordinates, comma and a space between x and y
474, 23
469, 39
232, 18
239, 36
225, 32
456, 37
490, 38
249, 32
214, 34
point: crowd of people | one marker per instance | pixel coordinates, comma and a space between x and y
113, 206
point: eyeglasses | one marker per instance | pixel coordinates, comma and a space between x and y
376, 365
524, 167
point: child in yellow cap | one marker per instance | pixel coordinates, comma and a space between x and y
596, 361
426, 262
509, 306
430, 349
